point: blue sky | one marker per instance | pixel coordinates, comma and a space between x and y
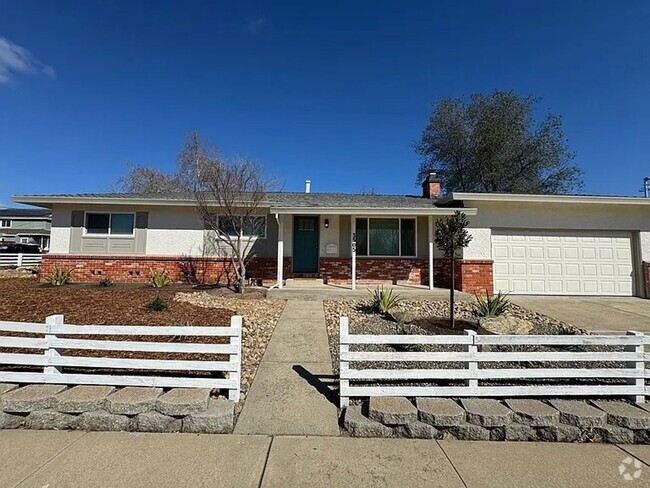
333, 91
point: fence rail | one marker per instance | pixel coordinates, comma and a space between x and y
55, 340
17, 260
477, 350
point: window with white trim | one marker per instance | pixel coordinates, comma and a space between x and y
5, 223
113, 224
251, 226
386, 237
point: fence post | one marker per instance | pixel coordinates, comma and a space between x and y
51, 352
237, 322
472, 366
20, 260
344, 330
638, 366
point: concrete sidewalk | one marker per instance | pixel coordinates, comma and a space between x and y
118, 459
291, 392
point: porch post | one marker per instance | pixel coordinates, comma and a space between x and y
280, 248
430, 252
353, 246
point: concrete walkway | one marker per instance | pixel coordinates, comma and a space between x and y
290, 393
117, 459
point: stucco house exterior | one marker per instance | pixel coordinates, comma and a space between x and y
522, 244
26, 226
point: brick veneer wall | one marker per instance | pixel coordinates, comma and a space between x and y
471, 275
137, 269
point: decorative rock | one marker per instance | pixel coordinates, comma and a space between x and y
402, 316
132, 400
7, 387
578, 413
82, 398
624, 414
486, 412
505, 325
519, 432
470, 432
439, 412
10, 421
50, 420
157, 422
533, 412
614, 434
359, 425
30, 398
183, 401
498, 434
642, 436
103, 421
217, 419
419, 430
559, 433
392, 410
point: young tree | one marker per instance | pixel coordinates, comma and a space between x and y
451, 237
493, 143
229, 198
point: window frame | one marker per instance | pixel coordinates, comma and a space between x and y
245, 236
2, 226
399, 219
110, 220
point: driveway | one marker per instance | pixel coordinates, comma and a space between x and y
593, 313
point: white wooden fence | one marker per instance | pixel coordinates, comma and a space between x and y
16, 260
472, 357
53, 360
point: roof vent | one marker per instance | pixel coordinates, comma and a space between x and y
307, 186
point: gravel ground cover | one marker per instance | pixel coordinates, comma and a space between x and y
27, 300
363, 321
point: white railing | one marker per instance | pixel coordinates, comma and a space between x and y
17, 260
53, 360
469, 350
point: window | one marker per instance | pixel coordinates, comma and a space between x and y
5, 223
116, 224
385, 237
250, 226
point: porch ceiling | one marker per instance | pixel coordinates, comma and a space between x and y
368, 211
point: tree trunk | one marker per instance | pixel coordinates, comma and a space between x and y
451, 295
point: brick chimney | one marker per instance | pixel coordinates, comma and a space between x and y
431, 186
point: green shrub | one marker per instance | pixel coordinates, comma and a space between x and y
383, 299
106, 282
158, 304
159, 279
491, 306
59, 276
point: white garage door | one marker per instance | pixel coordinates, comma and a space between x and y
562, 263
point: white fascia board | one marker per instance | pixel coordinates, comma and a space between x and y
523, 198
368, 211
48, 201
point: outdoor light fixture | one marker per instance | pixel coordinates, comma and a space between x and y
327, 223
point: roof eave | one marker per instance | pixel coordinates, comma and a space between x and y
368, 211
524, 198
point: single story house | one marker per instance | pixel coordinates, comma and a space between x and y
521, 244
26, 226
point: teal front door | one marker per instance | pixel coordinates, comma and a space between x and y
305, 244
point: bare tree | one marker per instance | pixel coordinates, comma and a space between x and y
144, 179
230, 197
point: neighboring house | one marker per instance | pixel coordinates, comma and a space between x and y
26, 226
525, 244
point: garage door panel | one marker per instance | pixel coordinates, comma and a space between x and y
556, 263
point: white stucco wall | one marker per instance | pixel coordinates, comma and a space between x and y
60, 230
480, 247
329, 236
644, 238
174, 231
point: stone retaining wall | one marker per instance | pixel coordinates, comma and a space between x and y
105, 408
508, 420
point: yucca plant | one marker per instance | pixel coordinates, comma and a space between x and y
59, 276
383, 299
106, 282
159, 279
491, 305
